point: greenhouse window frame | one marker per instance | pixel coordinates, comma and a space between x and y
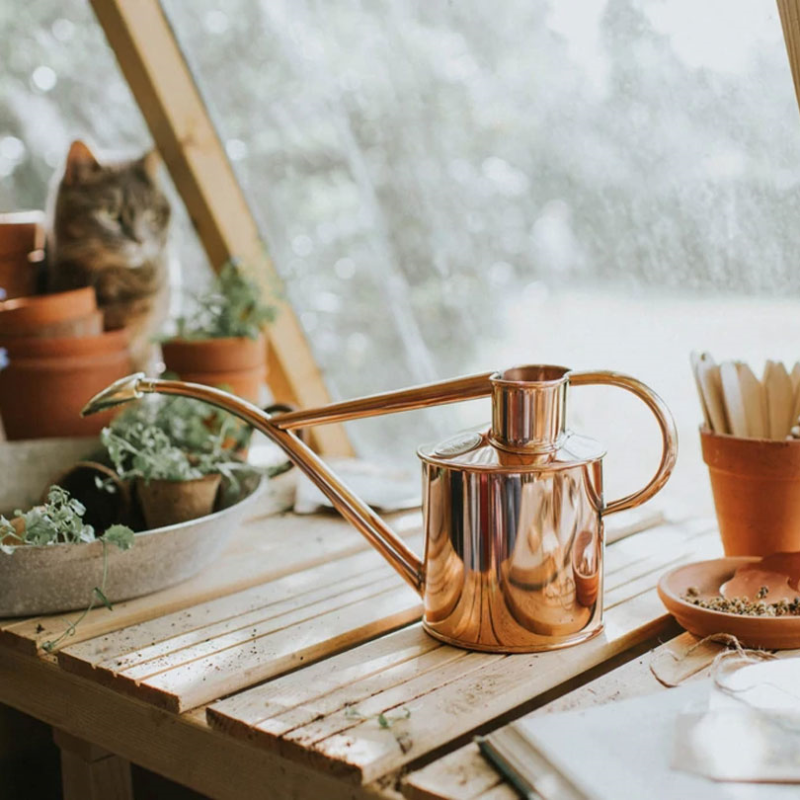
179, 121
167, 94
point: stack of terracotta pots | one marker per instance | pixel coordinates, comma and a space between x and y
58, 354
21, 252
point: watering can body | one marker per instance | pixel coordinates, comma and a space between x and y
513, 552
513, 515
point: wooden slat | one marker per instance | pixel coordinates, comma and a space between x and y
465, 775
449, 691
182, 748
181, 660
466, 693
315, 683
170, 633
230, 670
627, 560
698, 548
160, 79
263, 550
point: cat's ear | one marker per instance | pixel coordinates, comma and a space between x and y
80, 161
150, 162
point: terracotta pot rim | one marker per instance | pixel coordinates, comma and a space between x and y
210, 357
79, 344
747, 441
211, 476
66, 363
208, 374
756, 460
54, 299
210, 341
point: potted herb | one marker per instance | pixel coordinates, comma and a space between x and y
192, 425
174, 459
222, 342
60, 520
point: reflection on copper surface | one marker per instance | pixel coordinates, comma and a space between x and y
513, 515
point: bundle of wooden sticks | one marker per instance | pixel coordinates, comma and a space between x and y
736, 402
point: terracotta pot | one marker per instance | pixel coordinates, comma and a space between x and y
756, 487
170, 502
43, 397
21, 252
246, 384
35, 347
239, 364
63, 314
21, 232
103, 507
19, 275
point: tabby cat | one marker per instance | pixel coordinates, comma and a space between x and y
109, 228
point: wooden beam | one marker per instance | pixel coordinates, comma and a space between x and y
789, 11
152, 63
89, 772
179, 747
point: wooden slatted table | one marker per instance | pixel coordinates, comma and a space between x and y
295, 667
466, 775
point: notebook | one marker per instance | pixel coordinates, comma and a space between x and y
613, 752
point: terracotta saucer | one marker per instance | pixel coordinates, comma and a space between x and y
771, 633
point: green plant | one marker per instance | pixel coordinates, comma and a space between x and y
60, 520
170, 440
191, 425
232, 306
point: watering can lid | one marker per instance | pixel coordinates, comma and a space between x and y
473, 451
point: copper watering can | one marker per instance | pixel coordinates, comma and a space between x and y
513, 516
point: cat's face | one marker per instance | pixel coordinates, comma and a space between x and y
116, 208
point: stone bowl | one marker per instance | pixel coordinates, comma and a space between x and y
61, 577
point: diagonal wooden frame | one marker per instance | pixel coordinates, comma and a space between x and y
789, 11
162, 83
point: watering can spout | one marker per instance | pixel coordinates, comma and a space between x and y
122, 391
279, 430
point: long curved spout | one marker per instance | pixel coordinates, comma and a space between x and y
277, 428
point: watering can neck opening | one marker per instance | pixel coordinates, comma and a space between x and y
529, 408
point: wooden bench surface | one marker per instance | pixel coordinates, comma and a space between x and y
298, 657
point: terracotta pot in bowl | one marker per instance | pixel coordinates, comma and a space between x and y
756, 488
237, 363
63, 314
170, 502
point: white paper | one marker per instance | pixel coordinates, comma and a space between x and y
624, 750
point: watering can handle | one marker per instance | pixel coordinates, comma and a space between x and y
669, 436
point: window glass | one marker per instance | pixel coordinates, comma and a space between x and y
451, 187
60, 82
